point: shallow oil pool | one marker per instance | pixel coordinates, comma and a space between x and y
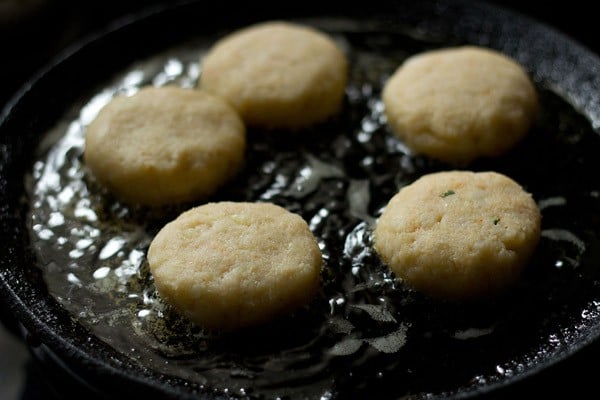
338, 176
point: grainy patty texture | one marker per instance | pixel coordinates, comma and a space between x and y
459, 235
230, 265
165, 145
278, 74
459, 104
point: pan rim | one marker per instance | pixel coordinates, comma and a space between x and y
47, 332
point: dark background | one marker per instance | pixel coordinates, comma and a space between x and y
33, 32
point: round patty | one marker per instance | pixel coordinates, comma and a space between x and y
230, 265
459, 235
165, 145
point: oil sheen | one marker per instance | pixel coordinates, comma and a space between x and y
365, 333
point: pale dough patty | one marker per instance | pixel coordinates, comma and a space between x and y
459, 235
231, 265
277, 74
458, 104
165, 145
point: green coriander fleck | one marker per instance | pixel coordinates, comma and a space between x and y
447, 193
496, 221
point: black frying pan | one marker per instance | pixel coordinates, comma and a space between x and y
542, 316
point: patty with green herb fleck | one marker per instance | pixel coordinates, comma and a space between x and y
458, 234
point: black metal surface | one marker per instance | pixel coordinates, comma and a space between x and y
556, 60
